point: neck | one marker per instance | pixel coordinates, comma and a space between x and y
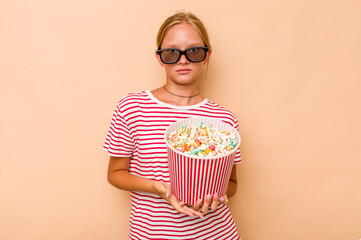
164, 96
181, 96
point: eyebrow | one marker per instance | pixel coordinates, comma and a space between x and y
191, 45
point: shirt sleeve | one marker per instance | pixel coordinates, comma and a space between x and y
118, 142
238, 158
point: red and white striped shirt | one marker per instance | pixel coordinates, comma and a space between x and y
137, 131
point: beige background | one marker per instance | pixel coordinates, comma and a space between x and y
289, 70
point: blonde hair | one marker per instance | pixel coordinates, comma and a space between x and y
183, 17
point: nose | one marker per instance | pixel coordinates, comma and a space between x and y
183, 59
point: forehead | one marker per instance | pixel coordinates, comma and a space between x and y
182, 35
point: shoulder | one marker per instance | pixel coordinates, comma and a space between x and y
133, 99
221, 111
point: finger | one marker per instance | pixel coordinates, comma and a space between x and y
183, 208
206, 203
194, 212
180, 208
224, 199
184, 211
214, 201
162, 189
197, 205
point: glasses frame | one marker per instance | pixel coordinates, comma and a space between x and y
182, 52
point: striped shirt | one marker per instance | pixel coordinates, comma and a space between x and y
137, 131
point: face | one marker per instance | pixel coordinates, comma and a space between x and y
183, 72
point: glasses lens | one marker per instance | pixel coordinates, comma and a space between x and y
170, 55
196, 54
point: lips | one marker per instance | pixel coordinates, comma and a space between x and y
183, 70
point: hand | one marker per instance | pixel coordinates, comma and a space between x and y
210, 202
163, 189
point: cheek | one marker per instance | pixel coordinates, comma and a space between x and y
168, 67
198, 67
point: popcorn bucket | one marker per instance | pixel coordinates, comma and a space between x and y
193, 177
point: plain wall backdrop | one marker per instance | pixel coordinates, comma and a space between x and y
289, 70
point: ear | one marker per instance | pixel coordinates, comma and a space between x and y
209, 53
158, 58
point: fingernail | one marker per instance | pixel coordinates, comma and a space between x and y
167, 195
199, 201
209, 197
221, 199
216, 194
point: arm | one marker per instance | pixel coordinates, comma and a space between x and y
120, 177
232, 185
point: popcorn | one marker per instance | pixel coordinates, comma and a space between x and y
203, 140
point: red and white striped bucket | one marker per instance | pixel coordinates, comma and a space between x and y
193, 177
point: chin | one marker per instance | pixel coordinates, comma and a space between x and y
183, 81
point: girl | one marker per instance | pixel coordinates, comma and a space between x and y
138, 155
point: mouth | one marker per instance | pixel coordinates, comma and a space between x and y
183, 70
